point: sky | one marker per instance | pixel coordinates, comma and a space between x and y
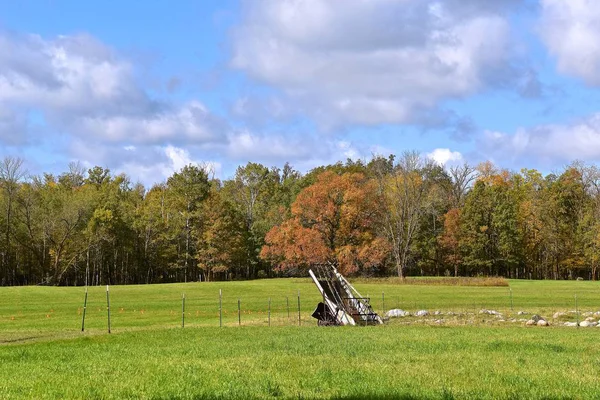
146, 88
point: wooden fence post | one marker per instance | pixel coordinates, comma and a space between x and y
108, 307
84, 308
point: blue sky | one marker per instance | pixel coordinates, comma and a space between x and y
147, 88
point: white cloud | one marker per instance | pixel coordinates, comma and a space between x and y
75, 74
570, 29
445, 156
247, 145
192, 123
547, 144
86, 89
88, 105
370, 62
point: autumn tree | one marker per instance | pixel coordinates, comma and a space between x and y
333, 220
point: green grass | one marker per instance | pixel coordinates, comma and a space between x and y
44, 354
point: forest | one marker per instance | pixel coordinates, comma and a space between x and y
389, 216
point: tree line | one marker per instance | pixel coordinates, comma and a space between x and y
387, 216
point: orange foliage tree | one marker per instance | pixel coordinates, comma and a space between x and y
333, 220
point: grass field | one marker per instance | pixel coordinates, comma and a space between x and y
44, 354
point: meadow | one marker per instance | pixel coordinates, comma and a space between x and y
44, 354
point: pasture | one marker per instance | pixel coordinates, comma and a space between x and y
44, 354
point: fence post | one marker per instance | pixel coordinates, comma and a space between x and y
269, 311
287, 302
84, 308
239, 313
183, 310
220, 308
108, 307
383, 302
511, 300
577, 311
299, 320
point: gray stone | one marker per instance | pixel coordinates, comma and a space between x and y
531, 323
422, 313
570, 323
489, 312
542, 322
397, 313
536, 317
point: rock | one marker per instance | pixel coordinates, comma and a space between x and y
586, 324
438, 313
559, 314
536, 318
439, 321
542, 322
489, 312
590, 319
530, 322
597, 314
588, 314
397, 313
422, 313
450, 313
570, 323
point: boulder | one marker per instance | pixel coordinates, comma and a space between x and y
570, 323
536, 318
397, 313
586, 324
531, 323
542, 322
559, 314
590, 319
422, 313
